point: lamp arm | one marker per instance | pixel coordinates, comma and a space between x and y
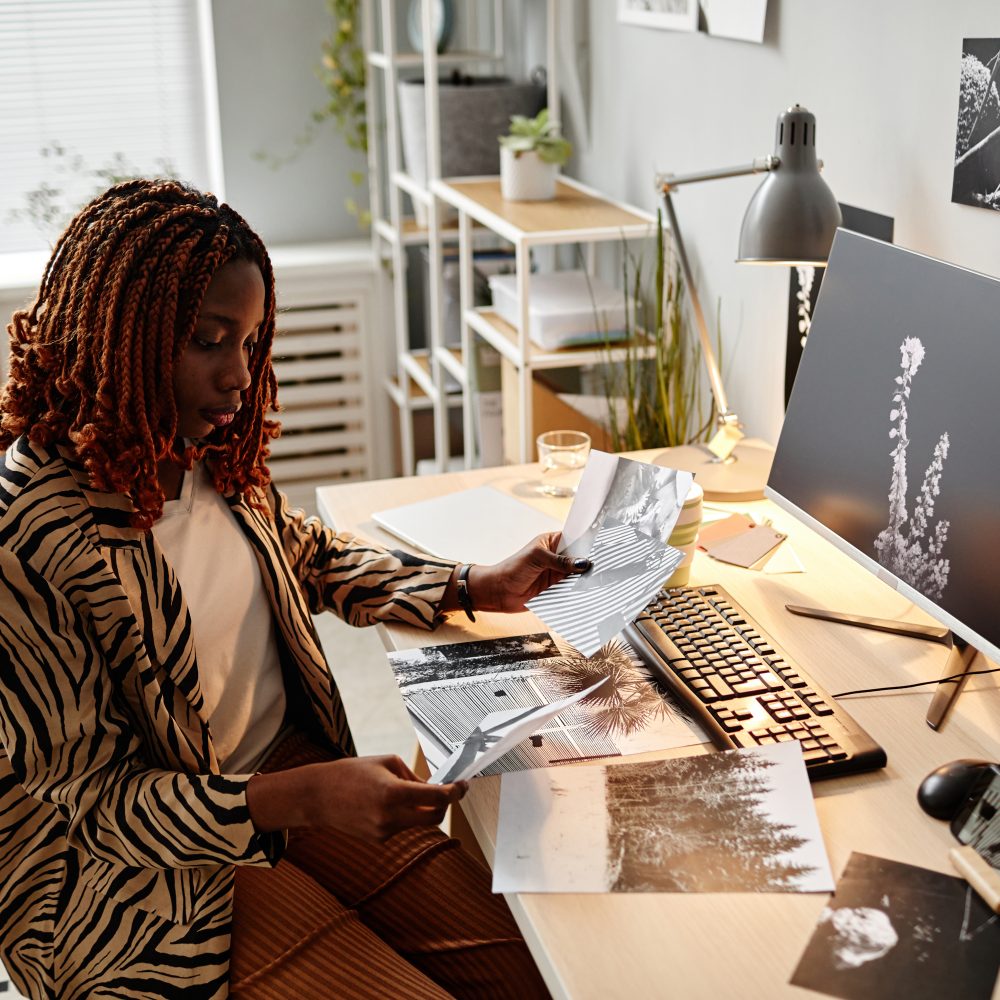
761, 165
714, 375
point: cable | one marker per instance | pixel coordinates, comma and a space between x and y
903, 687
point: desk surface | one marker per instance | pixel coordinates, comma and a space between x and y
710, 945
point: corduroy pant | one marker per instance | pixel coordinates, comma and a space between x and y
340, 917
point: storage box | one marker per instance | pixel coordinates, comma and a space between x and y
566, 308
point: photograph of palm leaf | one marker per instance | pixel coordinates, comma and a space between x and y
449, 690
737, 821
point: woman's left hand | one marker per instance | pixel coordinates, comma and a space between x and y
509, 584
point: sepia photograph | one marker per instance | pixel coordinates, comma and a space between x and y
894, 930
450, 690
735, 821
976, 179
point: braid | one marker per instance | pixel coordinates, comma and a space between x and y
92, 358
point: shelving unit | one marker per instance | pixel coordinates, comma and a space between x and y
424, 378
411, 377
577, 215
417, 379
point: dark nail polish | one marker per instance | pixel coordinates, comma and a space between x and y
582, 565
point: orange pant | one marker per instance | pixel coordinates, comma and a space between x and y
340, 917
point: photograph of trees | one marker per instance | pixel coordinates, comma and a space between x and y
706, 830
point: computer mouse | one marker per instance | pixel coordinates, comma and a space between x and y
946, 787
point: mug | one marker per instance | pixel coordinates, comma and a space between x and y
685, 536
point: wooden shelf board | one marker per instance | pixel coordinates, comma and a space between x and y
567, 357
571, 210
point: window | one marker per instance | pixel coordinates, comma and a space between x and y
95, 88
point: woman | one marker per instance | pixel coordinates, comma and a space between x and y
166, 713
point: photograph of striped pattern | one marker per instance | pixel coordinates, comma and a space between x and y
590, 609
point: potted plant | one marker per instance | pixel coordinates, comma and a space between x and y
530, 156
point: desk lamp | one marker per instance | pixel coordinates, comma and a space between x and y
790, 221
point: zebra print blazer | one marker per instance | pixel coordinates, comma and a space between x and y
118, 834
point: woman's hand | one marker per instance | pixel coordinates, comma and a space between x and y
508, 585
368, 797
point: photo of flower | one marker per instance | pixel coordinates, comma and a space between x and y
909, 546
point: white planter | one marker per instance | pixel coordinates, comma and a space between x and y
526, 177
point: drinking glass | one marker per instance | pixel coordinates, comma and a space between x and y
562, 456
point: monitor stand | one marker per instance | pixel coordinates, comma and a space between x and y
957, 665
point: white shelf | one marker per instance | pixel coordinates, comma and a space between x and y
577, 215
415, 60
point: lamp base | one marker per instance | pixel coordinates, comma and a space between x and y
740, 478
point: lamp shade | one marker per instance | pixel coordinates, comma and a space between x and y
793, 215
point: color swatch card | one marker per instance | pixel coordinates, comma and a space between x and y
748, 547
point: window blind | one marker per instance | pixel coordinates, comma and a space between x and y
97, 85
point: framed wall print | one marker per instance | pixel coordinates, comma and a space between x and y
673, 15
976, 179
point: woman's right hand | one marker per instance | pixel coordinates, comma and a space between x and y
368, 797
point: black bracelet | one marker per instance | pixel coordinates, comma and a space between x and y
464, 596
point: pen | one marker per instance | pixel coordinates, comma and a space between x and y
978, 873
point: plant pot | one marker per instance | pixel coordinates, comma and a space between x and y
526, 176
472, 112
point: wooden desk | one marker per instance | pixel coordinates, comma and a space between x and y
647, 945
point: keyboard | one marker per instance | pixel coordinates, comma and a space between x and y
701, 645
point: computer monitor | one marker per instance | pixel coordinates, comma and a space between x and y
890, 446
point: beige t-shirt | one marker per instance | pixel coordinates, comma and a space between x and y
232, 625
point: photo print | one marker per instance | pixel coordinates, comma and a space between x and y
735, 821
739, 19
620, 518
675, 15
894, 930
450, 690
806, 281
976, 177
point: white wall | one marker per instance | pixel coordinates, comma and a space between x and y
266, 52
881, 78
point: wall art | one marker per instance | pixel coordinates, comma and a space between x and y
976, 178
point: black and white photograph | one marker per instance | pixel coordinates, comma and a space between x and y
894, 930
976, 178
449, 690
736, 821
674, 15
621, 516
502, 731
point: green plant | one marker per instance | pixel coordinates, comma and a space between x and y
656, 402
539, 135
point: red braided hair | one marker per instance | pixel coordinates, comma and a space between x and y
92, 359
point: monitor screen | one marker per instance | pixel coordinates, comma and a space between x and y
891, 443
